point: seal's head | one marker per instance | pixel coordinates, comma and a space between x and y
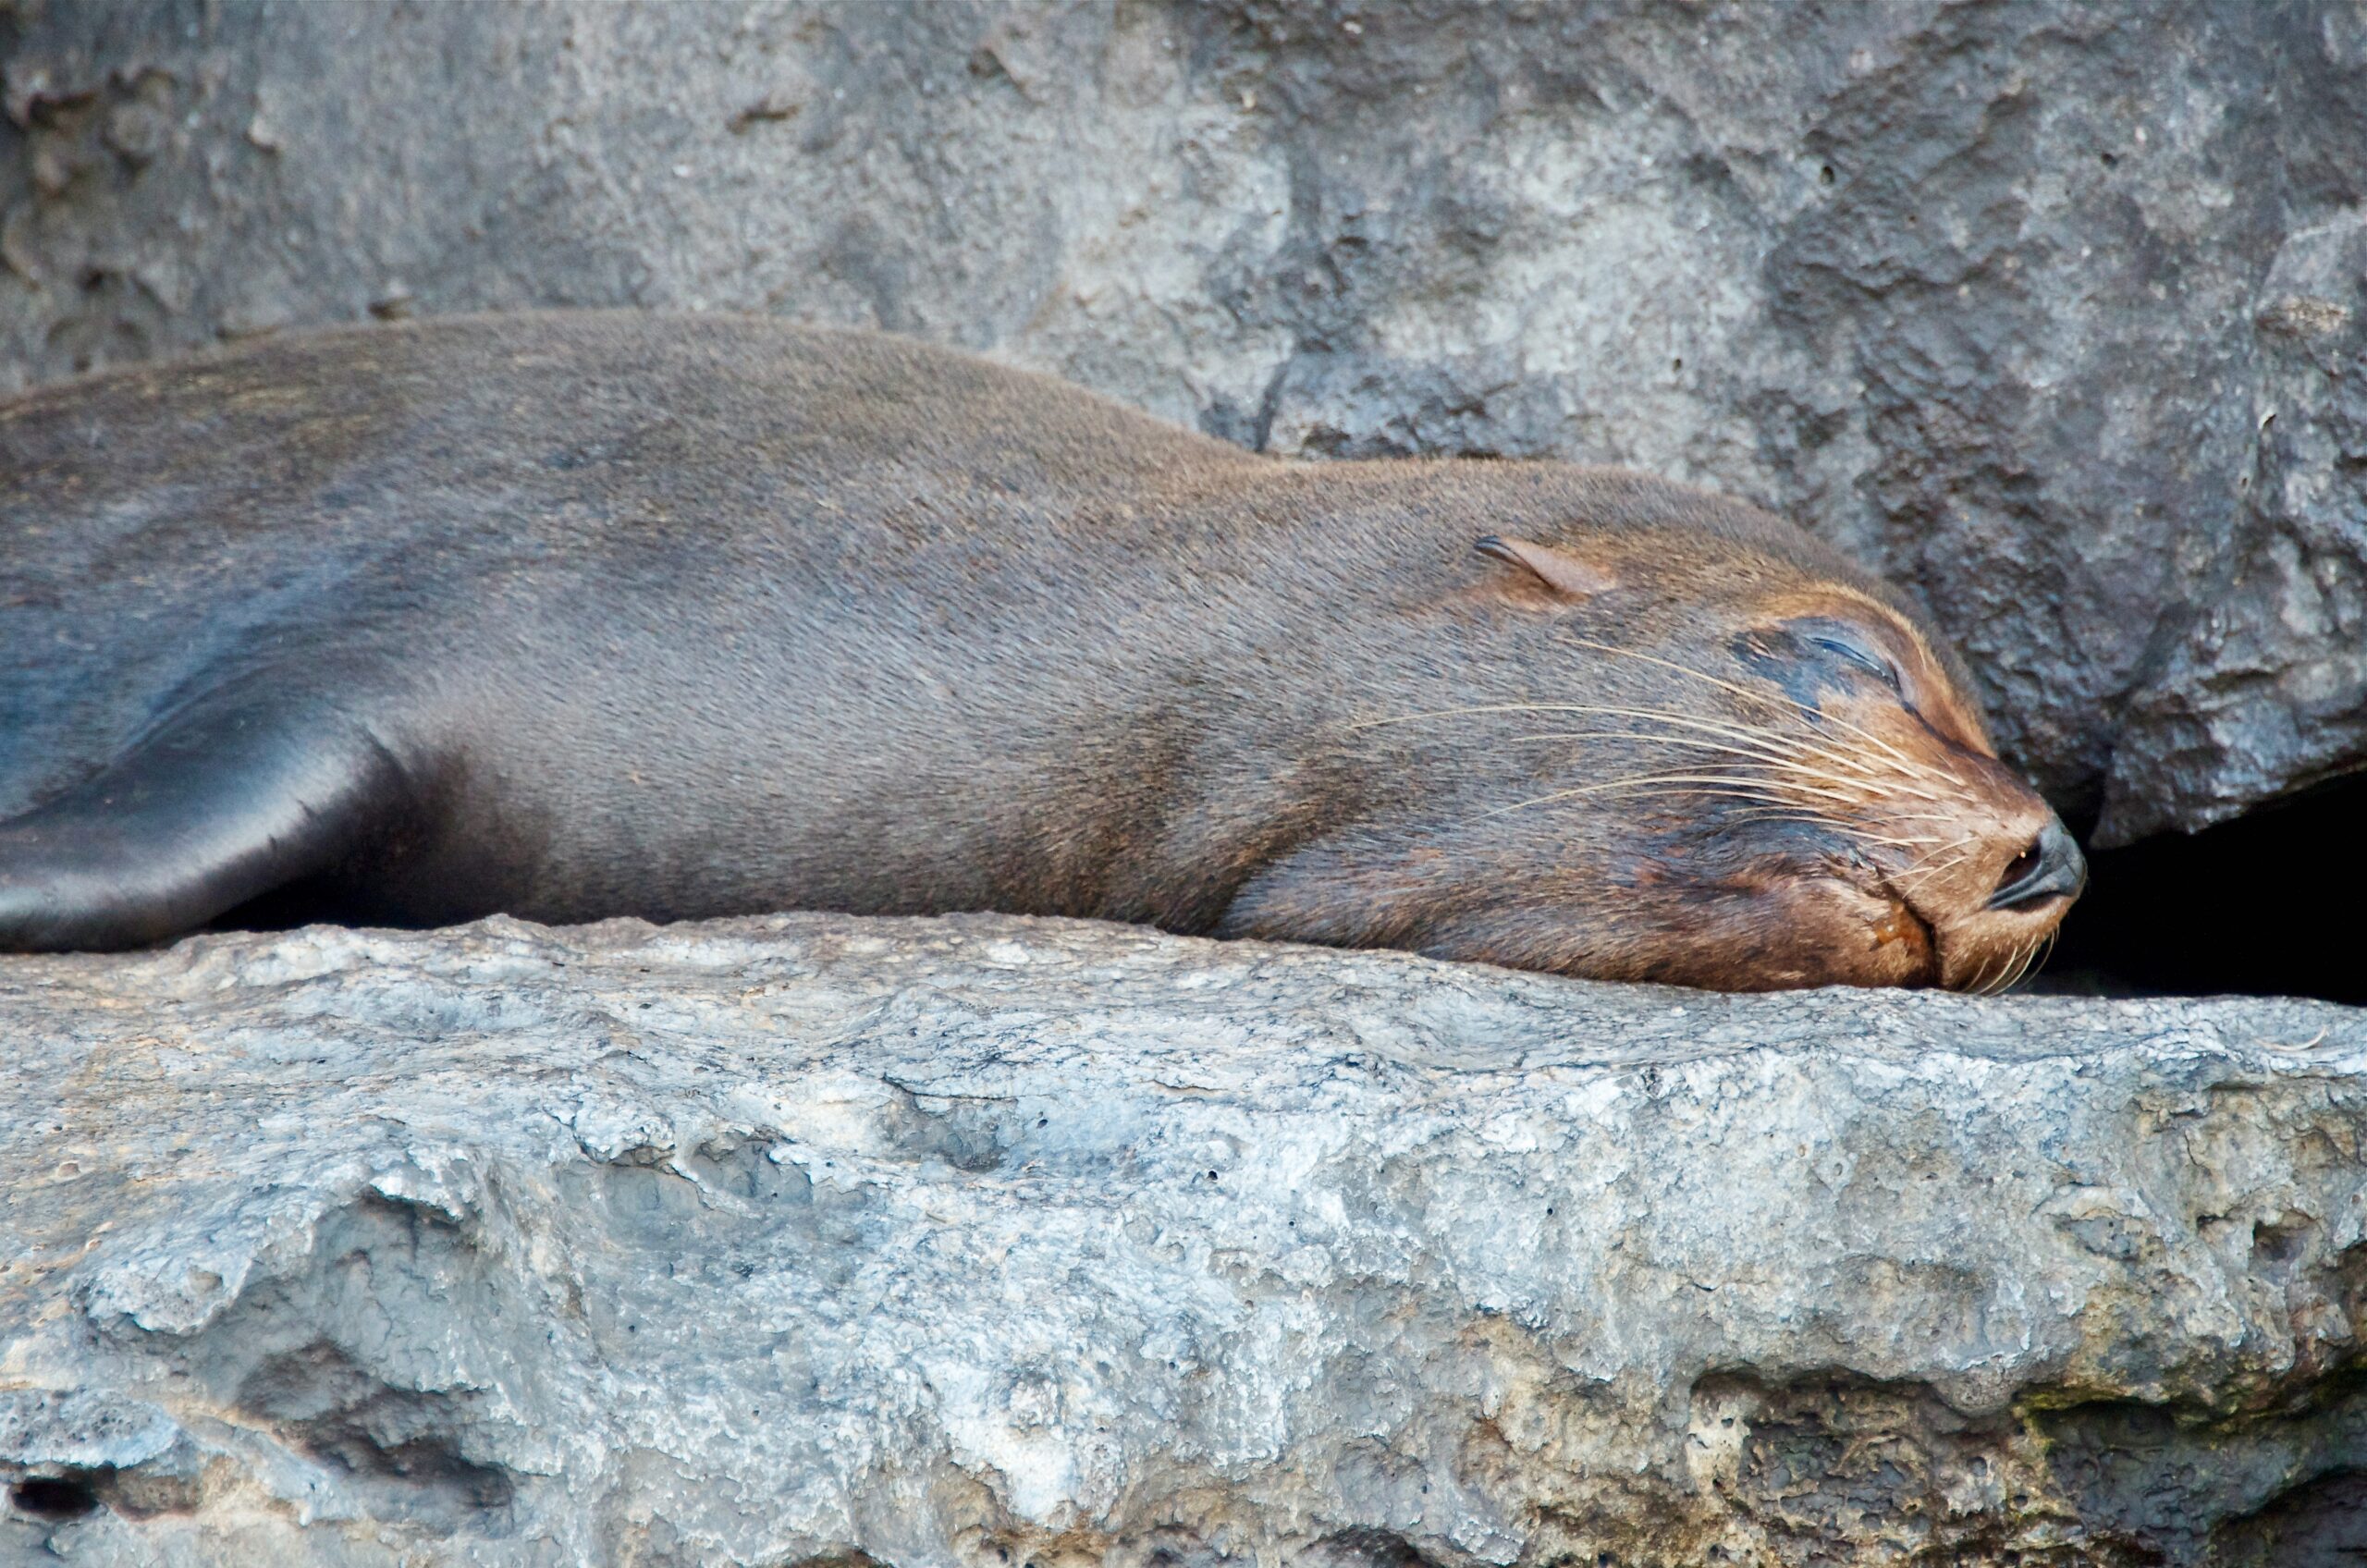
1731, 759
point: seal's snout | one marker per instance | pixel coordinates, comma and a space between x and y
1995, 904
2051, 868
1967, 871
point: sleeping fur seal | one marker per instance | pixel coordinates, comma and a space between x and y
571, 615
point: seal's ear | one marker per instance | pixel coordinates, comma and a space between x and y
1565, 572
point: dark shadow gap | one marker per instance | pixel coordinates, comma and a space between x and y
2265, 905
54, 1499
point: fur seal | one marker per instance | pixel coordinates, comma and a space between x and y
579, 615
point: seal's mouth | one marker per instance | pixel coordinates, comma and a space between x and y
1936, 966
1988, 949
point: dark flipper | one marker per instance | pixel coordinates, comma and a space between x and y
218, 807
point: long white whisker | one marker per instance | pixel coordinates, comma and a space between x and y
1790, 750
1775, 744
1739, 789
1772, 744
1902, 758
1776, 764
2022, 957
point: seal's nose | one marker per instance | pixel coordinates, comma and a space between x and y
2051, 867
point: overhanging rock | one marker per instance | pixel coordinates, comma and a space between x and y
2059, 321
983, 1240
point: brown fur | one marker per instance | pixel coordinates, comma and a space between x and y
579, 615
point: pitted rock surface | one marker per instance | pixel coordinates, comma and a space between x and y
983, 1239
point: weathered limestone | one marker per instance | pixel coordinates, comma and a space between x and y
975, 1241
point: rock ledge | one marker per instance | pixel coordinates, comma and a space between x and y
982, 1240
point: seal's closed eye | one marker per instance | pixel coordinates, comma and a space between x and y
1857, 652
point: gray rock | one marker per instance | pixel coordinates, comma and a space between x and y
2003, 297
811, 1240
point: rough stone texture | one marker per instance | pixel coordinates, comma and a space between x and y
2002, 295
987, 1241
